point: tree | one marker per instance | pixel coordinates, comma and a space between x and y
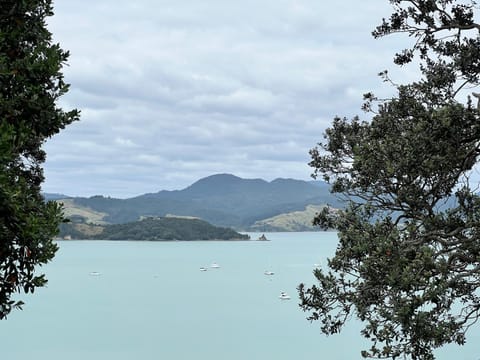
408, 260
31, 82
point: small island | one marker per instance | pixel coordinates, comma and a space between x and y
151, 229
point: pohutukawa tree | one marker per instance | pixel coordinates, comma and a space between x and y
408, 259
31, 82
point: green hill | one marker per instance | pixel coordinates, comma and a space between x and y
85, 214
293, 221
222, 200
152, 229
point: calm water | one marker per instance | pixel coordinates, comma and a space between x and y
150, 301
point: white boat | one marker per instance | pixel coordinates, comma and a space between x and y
284, 296
95, 273
215, 266
203, 269
268, 272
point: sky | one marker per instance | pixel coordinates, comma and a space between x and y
174, 91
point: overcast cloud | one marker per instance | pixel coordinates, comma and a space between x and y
172, 91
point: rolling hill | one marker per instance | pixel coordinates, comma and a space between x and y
293, 221
151, 229
222, 199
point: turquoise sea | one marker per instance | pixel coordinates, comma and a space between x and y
126, 300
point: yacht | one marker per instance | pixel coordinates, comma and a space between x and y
284, 296
268, 272
215, 266
203, 269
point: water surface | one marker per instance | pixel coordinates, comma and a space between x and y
148, 300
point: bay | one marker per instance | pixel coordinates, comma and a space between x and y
126, 300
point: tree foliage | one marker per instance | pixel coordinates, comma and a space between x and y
408, 260
30, 84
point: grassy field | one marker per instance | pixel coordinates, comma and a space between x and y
90, 216
293, 221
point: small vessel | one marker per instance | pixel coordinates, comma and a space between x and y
215, 266
95, 273
284, 296
268, 272
203, 269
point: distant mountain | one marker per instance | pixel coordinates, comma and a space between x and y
53, 196
222, 199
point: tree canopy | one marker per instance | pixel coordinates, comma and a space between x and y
408, 260
31, 82
151, 229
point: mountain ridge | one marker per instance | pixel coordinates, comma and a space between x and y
221, 199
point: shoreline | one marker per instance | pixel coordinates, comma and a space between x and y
160, 240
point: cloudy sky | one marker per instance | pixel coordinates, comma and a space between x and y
171, 91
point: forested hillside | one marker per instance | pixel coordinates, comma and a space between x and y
223, 200
152, 229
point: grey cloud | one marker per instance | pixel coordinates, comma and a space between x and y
173, 91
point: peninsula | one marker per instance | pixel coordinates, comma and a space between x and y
151, 229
